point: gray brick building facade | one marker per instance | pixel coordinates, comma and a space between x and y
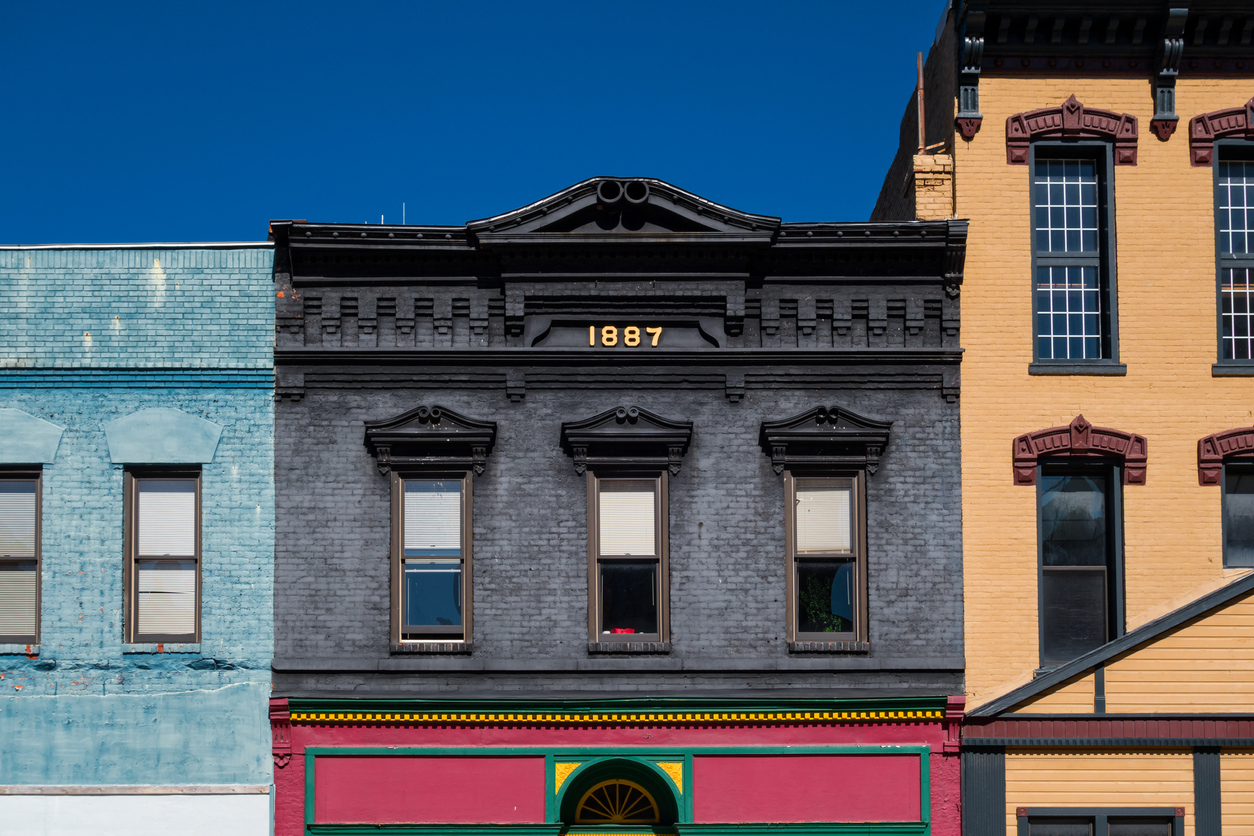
851, 328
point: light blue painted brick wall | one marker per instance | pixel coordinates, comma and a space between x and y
88, 709
137, 308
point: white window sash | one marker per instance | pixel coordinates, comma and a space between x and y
627, 517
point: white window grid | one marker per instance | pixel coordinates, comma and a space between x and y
1065, 203
1237, 295
1068, 313
1236, 207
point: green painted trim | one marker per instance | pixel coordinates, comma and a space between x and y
806, 829
688, 784
436, 829
925, 788
552, 801
647, 761
309, 788
803, 829
655, 705
661, 752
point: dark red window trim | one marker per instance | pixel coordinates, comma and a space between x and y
1071, 120
1217, 448
1204, 129
1080, 439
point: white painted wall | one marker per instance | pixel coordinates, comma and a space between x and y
135, 815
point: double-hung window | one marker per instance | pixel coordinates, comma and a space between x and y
825, 542
1074, 299
19, 557
1234, 202
627, 566
163, 556
431, 563
1081, 583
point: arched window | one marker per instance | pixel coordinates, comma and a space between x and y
617, 802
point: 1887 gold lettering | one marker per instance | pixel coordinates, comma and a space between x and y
631, 335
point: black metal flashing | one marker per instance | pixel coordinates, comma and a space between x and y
1129, 641
984, 793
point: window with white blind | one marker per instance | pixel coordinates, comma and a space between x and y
19, 558
826, 550
163, 557
432, 564
627, 586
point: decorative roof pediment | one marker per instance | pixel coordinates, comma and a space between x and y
615, 208
627, 437
430, 436
825, 437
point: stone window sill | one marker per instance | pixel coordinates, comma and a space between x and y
146, 647
629, 647
1096, 368
433, 648
1232, 370
829, 647
19, 650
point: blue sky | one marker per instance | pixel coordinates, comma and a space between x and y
199, 122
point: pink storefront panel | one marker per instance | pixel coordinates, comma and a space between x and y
806, 788
406, 789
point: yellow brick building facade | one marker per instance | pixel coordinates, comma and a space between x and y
1184, 647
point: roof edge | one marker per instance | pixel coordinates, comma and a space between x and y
1128, 641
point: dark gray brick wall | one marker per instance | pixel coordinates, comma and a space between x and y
530, 583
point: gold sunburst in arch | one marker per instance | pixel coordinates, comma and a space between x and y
617, 802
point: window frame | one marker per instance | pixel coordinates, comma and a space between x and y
661, 534
130, 587
858, 541
1100, 817
1244, 465
1245, 149
32, 473
1102, 153
1115, 590
397, 558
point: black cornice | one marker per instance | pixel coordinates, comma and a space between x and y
825, 438
515, 357
430, 436
626, 436
1114, 36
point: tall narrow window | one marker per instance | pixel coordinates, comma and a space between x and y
163, 571
19, 558
1238, 514
826, 548
1073, 300
627, 581
433, 568
1234, 183
1081, 582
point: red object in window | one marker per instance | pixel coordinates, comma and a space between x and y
622, 630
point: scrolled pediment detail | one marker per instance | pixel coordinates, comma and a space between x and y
627, 436
1071, 120
430, 436
825, 438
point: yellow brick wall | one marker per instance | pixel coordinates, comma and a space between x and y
1166, 304
1149, 778
1236, 775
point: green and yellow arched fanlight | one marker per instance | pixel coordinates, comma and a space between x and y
618, 792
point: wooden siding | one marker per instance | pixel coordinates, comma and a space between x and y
1206, 666
1095, 778
1237, 786
1074, 696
